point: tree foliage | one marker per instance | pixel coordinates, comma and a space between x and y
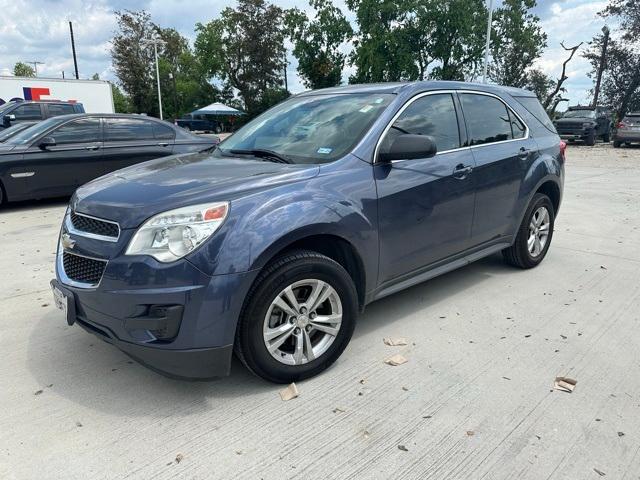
317, 43
517, 41
245, 49
23, 70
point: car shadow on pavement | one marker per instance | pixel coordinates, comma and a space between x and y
85, 370
31, 204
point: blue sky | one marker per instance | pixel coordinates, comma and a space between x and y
38, 30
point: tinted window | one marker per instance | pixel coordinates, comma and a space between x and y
163, 132
517, 127
128, 129
487, 119
534, 107
432, 115
61, 109
30, 111
85, 130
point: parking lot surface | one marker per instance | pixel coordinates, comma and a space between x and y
475, 399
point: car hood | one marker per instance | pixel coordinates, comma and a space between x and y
132, 195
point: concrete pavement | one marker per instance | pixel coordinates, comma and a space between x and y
474, 400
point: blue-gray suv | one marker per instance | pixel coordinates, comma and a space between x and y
271, 244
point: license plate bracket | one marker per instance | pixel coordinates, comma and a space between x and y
64, 300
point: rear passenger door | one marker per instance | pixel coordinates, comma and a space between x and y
503, 152
131, 140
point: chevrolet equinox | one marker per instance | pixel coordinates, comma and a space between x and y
271, 244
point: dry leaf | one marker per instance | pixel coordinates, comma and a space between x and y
179, 458
470, 433
395, 360
338, 410
403, 448
289, 393
395, 341
599, 472
565, 384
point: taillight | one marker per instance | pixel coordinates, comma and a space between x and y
563, 149
621, 125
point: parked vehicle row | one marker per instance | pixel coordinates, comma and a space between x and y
271, 244
201, 123
54, 157
585, 124
18, 111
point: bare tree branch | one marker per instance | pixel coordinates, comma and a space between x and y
563, 76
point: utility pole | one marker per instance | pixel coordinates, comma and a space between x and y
155, 41
486, 50
73, 50
286, 86
35, 64
603, 57
63, 74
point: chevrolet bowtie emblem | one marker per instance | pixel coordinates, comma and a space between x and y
67, 241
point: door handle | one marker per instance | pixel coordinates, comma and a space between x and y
163, 144
523, 153
92, 147
461, 171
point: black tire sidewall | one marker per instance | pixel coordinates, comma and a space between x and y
539, 200
255, 351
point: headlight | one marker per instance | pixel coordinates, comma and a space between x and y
171, 235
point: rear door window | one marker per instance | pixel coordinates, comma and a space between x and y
163, 132
432, 115
128, 129
517, 127
60, 109
84, 130
30, 111
534, 107
487, 119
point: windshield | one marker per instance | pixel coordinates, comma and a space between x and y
34, 131
579, 114
6, 106
309, 129
11, 131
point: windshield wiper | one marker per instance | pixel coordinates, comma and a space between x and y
262, 153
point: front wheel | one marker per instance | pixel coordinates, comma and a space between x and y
534, 235
606, 138
616, 144
298, 317
591, 139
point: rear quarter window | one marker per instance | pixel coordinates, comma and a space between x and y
533, 106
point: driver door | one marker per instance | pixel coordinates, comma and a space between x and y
425, 206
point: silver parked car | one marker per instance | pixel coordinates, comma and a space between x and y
628, 130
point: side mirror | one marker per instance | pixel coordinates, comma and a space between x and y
7, 119
410, 147
47, 142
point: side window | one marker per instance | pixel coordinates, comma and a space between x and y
128, 129
60, 109
432, 115
163, 132
487, 119
84, 130
30, 111
517, 127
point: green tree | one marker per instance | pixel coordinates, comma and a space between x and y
517, 41
244, 48
121, 101
23, 70
317, 43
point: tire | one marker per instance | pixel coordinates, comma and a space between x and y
616, 144
187, 128
260, 315
606, 138
519, 254
1, 194
218, 129
591, 139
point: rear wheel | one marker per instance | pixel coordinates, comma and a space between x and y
534, 235
298, 317
591, 139
606, 138
616, 144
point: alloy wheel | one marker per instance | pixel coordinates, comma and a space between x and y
302, 322
539, 227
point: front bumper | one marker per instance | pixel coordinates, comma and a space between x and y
193, 335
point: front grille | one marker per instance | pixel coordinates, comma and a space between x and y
94, 226
83, 269
572, 128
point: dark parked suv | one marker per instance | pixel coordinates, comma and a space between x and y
271, 245
12, 113
586, 124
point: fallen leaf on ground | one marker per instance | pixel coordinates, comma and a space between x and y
289, 393
603, 267
470, 433
599, 472
179, 458
338, 410
564, 384
395, 360
403, 448
395, 341
37, 392
621, 434
405, 389
78, 424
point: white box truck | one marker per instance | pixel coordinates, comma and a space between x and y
95, 95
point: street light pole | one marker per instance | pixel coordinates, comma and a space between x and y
155, 42
486, 50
